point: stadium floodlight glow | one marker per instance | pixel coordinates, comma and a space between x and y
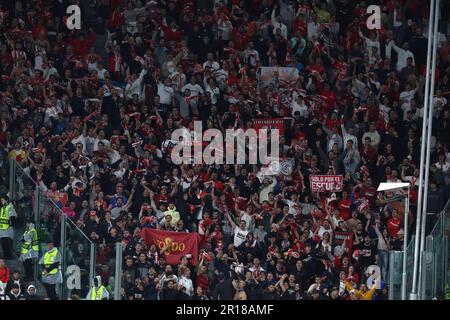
386, 186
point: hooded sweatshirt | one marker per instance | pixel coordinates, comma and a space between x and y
30, 296
96, 287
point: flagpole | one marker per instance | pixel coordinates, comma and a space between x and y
430, 126
416, 277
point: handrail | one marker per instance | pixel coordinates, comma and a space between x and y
447, 206
47, 198
441, 215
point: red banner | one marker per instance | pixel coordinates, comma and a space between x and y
269, 123
322, 183
179, 244
58, 197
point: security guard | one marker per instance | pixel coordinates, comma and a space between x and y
51, 275
98, 290
30, 250
7, 216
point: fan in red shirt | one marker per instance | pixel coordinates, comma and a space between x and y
345, 205
369, 192
241, 36
329, 98
116, 19
81, 45
367, 151
394, 224
172, 33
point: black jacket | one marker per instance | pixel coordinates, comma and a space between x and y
223, 290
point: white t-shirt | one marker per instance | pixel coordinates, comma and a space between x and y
313, 30
187, 283
165, 94
294, 208
303, 109
444, 167
213, 65
226, 27
195, 89
239, 236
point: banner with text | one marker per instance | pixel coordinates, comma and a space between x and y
278, 76
60, 198
269, 123
176, 244
322, 183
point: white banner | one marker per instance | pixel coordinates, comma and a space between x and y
276, 75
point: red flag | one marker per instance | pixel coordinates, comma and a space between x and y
179, 243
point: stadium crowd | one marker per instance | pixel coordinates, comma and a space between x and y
97, 125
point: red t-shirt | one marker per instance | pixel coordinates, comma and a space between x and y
344, 208
370, 193
393, 226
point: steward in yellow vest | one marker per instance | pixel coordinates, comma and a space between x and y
51, 275
98, 290
29, 250
7, 216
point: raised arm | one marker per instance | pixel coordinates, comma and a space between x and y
233, 224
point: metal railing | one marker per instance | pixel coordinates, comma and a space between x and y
32, 202
82, 259
396, 271
434, 279
434, 264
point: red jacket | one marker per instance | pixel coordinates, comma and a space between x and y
4, 275
170, 35
81, 47
116, 20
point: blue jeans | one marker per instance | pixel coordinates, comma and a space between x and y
383, 263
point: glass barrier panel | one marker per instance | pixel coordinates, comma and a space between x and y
395, 275
409, 266
78, 258
105, 262
4, 173
428, 267
23, 199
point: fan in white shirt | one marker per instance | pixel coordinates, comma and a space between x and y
313, 27
165, 92
186, 282
402, 55
442, 164
194, 87
277, 24
214, 65
370, 42
298, 104
224, 25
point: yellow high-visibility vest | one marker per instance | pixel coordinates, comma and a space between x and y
34, 242
49, 258
97, 294
4, 217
